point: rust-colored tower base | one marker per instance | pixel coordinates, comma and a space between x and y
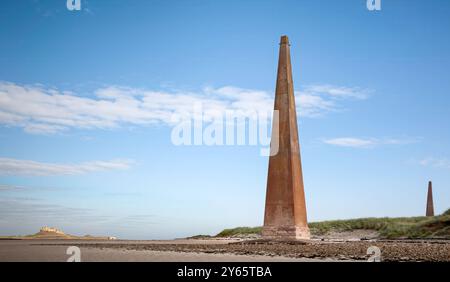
285, 211
430, 206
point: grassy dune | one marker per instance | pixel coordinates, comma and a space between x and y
401, 227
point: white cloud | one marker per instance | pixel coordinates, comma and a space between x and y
339, 91
5, 187
10, 166
368, 142
435, 162
38, 109
351, 142
312, 105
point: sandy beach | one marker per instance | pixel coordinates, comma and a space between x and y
102, 251
221, 250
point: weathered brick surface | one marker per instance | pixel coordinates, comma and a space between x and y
285, 210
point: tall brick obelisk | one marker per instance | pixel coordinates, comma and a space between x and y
285, 211
430, 206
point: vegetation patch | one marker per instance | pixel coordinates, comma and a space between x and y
389, 228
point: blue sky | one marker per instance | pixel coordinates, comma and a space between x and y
85, 99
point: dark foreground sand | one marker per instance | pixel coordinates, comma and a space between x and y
119, 251
222, 250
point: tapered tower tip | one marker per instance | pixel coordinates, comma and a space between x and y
284, 39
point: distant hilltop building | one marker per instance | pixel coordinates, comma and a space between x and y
51, 230
54, 233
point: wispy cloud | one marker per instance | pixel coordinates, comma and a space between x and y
353, 142
339, 91
44, 110
6, 187
350, 142
436, 162
32, 168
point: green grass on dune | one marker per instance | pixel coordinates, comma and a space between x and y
447, 212
239, 231
401, 227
